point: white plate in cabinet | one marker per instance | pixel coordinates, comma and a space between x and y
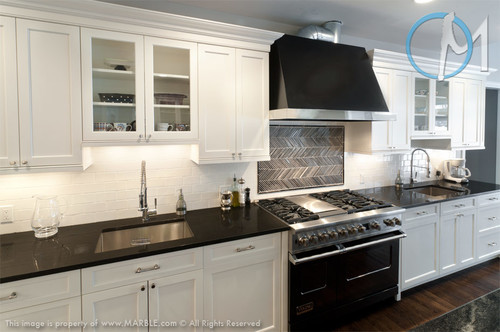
488, 244
457, 205
34, 291
123, 273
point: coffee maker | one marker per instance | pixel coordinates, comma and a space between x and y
455, 170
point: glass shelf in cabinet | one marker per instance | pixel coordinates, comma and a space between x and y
104, 104
112, 74
171, 106
171, 76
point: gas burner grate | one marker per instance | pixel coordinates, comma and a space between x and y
287, 210
350, 201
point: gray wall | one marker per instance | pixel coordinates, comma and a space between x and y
484, 164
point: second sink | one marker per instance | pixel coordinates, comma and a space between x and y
139, 235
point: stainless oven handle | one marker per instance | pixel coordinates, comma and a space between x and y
294, 260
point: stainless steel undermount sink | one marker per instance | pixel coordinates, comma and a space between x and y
437, 192
140, 235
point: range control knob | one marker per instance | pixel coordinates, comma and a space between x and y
360, 228
396, 221
389, 222
351, 229
374, 225
333, 234
313, 239
303, 241
323, 236
342, 231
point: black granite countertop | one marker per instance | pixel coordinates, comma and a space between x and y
24, 256
407, 198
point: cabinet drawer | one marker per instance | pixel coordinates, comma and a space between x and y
489, 199
29, 292
489, 217
457, 205
124, 273
488, 244
414, 214
231, 252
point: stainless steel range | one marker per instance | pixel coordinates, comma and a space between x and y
343, 254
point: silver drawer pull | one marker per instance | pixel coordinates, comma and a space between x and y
493, 199
492, 218
12, 296
459, 205
250, 247
459, 214
492, 244
421, 213
155, 267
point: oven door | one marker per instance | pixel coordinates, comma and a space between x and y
323, 281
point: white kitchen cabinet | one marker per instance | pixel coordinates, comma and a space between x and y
112, 96
467, 113
457, 240
49, 314
233, 105
171, 90
393, 136
117, 306
420, 249
242, 283
488, 226
160, 288
49, 300
430, 116
138, 88
9, 129
42, 118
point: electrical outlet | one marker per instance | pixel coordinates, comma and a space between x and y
361, 179
6, 214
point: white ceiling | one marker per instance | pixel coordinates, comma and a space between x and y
386, 21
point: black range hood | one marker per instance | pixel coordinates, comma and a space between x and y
323, 81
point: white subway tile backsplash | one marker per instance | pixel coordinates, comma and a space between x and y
109, 188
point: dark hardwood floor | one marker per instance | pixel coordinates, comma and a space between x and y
426, 302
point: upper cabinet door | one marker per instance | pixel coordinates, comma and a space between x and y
171, 89
49, 93
217, 102
9, 135
113, 86
252, 104
401, 101
381, 138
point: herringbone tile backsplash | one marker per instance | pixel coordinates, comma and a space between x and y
303, 157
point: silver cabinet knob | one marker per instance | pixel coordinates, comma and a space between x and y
24, 162
13, 163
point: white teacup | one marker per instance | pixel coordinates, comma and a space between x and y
122, 126
164, 126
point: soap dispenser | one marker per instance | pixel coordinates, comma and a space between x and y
180, 207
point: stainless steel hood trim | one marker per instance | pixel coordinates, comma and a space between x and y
328, 115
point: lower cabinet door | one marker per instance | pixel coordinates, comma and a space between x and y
53, 316
420, 251
176, 302
118, 309
243, 297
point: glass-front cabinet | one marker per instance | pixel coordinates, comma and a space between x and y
431, 107
171, 69
137, 89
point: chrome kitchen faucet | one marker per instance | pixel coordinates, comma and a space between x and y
413, 180
143, 196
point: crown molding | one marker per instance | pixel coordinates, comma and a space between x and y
95, 14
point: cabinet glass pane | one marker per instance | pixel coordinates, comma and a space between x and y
441, 108
113, 85
421, 121
171, 89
